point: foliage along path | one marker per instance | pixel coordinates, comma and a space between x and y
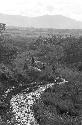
22, 106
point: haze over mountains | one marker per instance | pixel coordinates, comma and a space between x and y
46, 21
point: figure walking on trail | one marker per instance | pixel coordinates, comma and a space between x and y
32, 61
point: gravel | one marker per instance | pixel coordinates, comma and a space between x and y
22, 104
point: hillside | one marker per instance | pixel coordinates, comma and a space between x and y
46, 21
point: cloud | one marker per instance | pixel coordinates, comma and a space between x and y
50, 8
70, 8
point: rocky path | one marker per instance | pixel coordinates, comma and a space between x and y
21, 105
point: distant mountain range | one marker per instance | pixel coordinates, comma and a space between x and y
46, 21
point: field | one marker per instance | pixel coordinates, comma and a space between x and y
42, 56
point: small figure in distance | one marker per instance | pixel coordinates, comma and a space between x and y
32, 61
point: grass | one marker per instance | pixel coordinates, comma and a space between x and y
58, 53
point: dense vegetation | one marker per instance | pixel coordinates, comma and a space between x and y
41, 59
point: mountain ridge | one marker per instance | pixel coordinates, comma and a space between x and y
45, 21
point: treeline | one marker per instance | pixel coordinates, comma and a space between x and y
59, 51
61, 104
45, 59
59, 55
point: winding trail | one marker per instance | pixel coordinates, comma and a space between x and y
22, 103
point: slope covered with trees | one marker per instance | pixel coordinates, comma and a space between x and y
43, 60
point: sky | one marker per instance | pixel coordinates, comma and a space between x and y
33, 8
